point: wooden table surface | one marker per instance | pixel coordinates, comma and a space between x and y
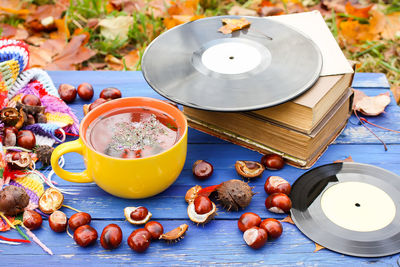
220, 241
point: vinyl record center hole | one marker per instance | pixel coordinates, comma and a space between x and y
357, 205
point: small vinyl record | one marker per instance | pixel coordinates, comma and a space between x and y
263, 65
348, 207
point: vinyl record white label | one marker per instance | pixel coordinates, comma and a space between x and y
358, 206
231, 58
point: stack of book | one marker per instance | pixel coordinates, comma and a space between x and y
301, 129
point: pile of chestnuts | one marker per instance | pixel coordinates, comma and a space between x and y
85, 91
256, 232
278, 200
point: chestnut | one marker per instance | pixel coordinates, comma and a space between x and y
276, 184
10, 136
79, 219
26, 139
248, 220
139, 240
249, 169
67, 92
202, 205
139, 214
31, 100
273, 227
111, 237
97, 103
85, 235
202, 169
85, 91
155, 229
255, 237
32, 220
58, 221
278, 203
273, 161
110, 93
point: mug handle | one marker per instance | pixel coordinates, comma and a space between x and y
76, 177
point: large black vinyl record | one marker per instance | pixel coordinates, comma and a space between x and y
263, 65
350, 208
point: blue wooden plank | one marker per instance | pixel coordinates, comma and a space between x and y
219, 242
370, 80
101, 79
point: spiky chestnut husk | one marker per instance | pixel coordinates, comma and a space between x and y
9, 116
33, 110
235, 194
43, 153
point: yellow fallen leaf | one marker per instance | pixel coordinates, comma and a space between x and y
318, 247
232, 25
117, 27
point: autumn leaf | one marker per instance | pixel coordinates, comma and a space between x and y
360, 12
73, 53
62, 30
232, 25
241, 11
14, 7
117, 27
348, 159
370, 105
318, 247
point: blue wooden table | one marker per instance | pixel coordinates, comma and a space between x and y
220, 241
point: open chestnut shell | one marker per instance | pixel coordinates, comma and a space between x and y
143, 218
201, 210
175, 234
51, 200
9, 116
249, 169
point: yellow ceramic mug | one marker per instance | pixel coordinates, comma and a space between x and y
126, 178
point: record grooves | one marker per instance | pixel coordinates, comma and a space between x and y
348, 207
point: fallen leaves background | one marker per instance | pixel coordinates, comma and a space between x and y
112, 34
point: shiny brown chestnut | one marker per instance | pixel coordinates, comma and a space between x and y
31, 100
139, 214
85, 235
110, 93
248, 220
79, 219
111, 237
276, 184
26, 139
97, 103
139, 240
249, 169
85, 91
255, 237
67, 92
32, 220
202, 205
278, 203
202, 169
58, 221
273, 161
155, 229
273, 227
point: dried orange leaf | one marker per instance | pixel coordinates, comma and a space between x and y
288, 219
361, 12
232, 25
373, 105
318, 247
348, 159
